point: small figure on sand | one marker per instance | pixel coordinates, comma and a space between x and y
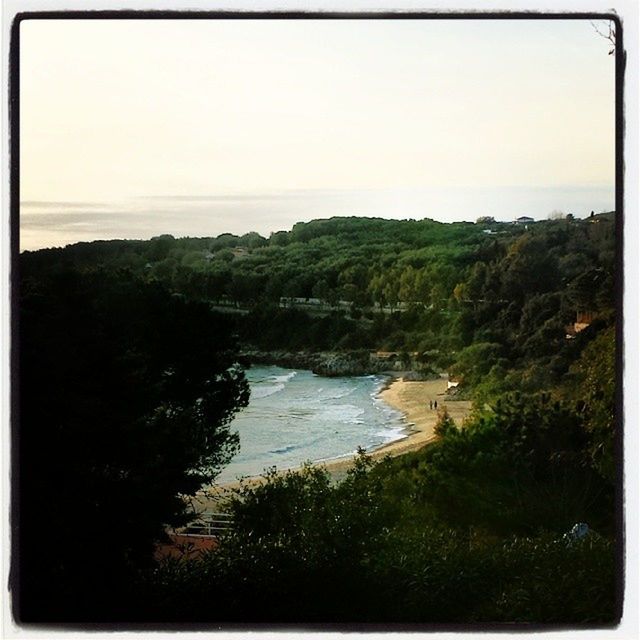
430, 404
435, 404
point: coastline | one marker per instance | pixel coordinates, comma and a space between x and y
409, 397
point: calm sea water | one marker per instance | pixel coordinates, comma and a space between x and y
295, 416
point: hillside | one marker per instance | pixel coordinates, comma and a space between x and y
493, 302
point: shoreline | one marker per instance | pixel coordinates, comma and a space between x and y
409, 397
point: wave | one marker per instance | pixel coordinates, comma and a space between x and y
284, 377
299, 413
287, 449
267, 386
311, 418
341, 413
265, 391
393, 432
339, 394
293, 446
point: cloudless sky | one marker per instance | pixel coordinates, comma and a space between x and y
134, 128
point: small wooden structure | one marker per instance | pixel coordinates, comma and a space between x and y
200, 536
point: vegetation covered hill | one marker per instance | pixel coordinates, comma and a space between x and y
491, 301
128, 384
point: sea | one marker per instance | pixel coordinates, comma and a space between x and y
295, 416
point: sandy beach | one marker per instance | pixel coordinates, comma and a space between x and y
411, 398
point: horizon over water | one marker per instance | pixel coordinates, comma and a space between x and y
58, 223
295, 416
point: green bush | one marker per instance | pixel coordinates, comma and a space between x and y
304, 550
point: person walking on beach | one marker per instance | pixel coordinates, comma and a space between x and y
430, 404
435, 404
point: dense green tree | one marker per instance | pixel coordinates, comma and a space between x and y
159, 247
518, 467
126, 395
253, 240
475, 361
366, 549
127, 386
595, 388
518, 288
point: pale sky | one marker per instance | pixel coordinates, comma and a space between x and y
129, 129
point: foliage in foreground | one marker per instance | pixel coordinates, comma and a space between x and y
468, 530
336, 562
126, 395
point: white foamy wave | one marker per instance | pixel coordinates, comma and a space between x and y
265, 391
342, 456
311, 418
375, 394
392, 434
344, 413
298, 413
339, 394
395, 438
285, 377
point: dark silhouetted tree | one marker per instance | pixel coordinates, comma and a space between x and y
126, 395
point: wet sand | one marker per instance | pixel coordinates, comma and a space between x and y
410, 398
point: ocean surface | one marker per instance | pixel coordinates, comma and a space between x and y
295, 416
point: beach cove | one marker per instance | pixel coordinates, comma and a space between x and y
410, 398
295, 416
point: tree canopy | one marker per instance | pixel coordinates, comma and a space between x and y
126, 394
129, 381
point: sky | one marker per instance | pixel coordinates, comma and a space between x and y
130, 129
